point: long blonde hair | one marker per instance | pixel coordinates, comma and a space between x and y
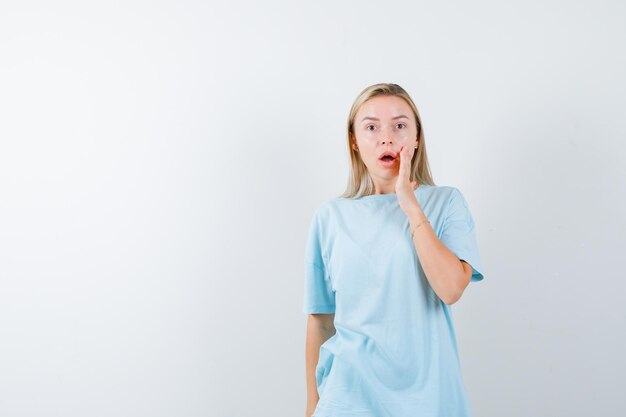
360, 182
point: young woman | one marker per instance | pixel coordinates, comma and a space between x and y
384, 263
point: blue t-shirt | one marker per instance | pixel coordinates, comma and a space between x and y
394, 353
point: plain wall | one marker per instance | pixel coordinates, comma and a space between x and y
160, 163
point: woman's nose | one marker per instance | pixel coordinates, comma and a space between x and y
389, 138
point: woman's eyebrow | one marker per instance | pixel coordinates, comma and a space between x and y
374, 118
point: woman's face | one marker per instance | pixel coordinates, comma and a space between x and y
384, 124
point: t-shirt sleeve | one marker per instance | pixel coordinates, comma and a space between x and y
319, 296
458, 233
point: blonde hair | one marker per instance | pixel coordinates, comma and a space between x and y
360, 182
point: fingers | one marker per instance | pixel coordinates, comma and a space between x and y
405, 162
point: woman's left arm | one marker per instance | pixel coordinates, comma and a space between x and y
448, 276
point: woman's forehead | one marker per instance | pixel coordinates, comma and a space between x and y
384, 108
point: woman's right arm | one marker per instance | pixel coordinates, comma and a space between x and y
319, 328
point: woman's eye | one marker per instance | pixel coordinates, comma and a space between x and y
368, 127
401, 124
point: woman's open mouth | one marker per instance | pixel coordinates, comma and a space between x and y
387, 161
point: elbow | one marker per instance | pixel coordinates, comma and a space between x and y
454, 295
451, 299
463, 281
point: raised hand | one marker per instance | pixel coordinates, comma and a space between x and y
404, 186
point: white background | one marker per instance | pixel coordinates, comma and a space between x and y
160, 163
